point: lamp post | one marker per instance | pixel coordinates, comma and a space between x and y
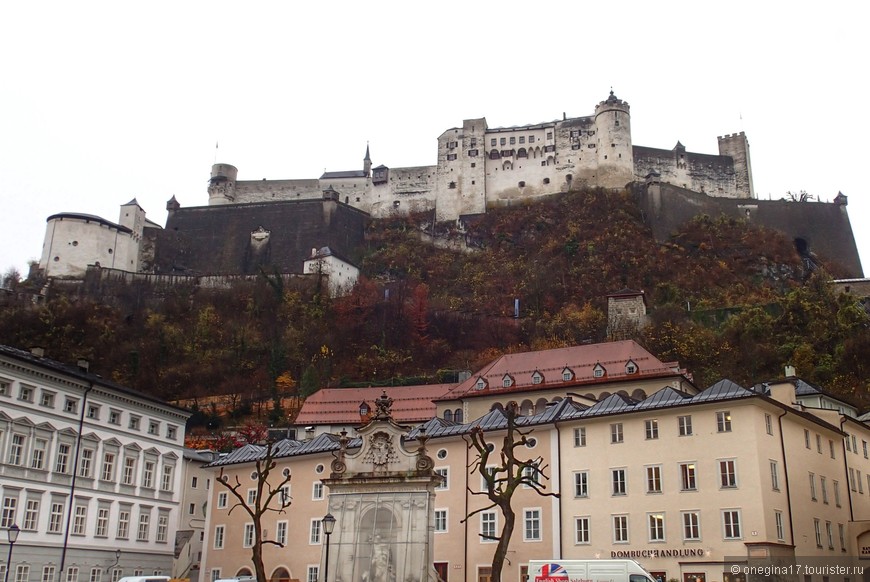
328, 522
12, 534
117, 560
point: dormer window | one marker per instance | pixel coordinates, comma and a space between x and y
631, 367
537, 378
567, 375
480, 384
507, 381
598, 371
364, 409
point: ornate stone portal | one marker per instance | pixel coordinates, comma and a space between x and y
381, 496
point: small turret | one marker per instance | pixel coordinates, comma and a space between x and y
172, 205
222, 185
367, 163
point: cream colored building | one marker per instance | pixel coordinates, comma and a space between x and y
646, 467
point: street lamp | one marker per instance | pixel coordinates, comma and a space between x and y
328, 522
12, 534
117, 560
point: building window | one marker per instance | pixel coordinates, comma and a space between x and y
55, 518
135, 422
616, 435
108, 472
537, 378
72, 574
444, 473
37, 456
768, 424
313, 574
532, 525
166, 479
488, 524
314, 532
656, 523
780, 529
598, 370
652, 429
96, 575
842, 530
93, 412
581, 530
153, 428
688, 478
219, 532
731, 524
691, 525
823, 482
80, 520
31, 514
102, 529
817, 525
812, 486
829, 531
114, 417
162, 528
685, 424
47, 399
248, 536
281, 532
581, 484
806, 438
620, 529
10, 507
71, 405
819, 444
728, 473
16, 449
317, 491
774, 475
837, 493
723, 421
148, 475
144, 526
580, 436
86, 462
617, 479
123, 524
654, 479
25, 393
129, 476
48, 574
171, 432
222, 500
502, 141
831, 447
440, 520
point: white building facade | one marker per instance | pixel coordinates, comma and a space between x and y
90, 471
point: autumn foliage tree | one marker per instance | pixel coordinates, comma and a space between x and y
503, 471
271, 489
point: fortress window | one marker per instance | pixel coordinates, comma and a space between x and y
395, 203
522, 153
592, 146
451, 144
493, 155
472, 142
546, 180
75, 243
472, 153
513, 140
522, 184
522, 139
549, 135
502, 141
531, 139
575, 146
451, 157
472, 182
473, 165
452, 185
592, 132
110, 251
56, 259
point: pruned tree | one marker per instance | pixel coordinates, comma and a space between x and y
272, 492
502, 479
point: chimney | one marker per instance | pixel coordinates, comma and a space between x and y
313, 252
790, 371
83, 365
37, 351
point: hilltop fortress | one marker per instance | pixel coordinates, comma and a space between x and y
479, 167
284, 225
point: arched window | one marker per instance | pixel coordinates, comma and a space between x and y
448, 415
457, 415
522, 153
494, 155
508, 165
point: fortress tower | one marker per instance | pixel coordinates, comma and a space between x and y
737, 146
222, 185
614, 150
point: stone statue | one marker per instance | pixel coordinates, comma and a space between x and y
381, 569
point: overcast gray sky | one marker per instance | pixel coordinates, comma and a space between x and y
104, 102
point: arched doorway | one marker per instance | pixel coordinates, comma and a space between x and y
280, 575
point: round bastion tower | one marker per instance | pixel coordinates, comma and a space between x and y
613, 129
222, 185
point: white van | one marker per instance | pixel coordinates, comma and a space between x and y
587, 571
144, 579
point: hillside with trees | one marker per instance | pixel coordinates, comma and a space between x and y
726, 299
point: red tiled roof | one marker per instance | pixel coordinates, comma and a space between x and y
581, 360
341, 405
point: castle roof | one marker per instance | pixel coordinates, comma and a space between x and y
345, 174
88, 218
